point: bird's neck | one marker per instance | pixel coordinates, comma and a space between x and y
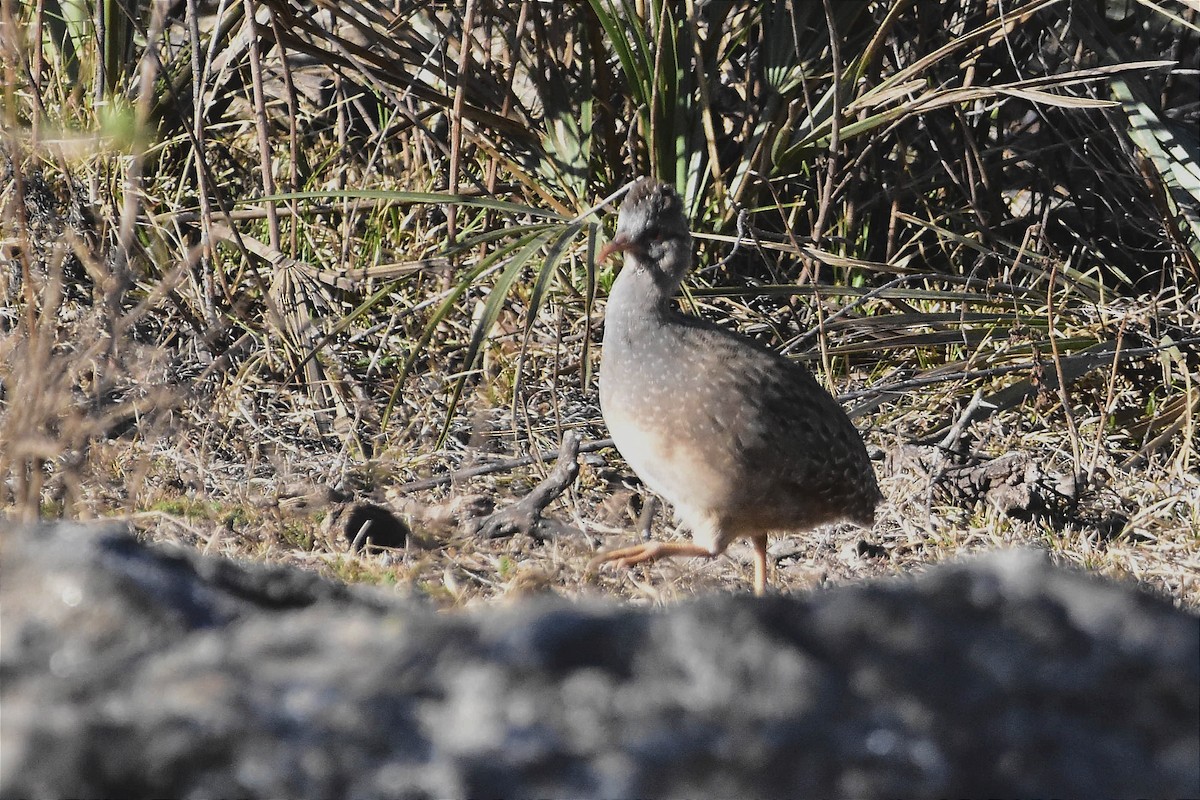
640, 294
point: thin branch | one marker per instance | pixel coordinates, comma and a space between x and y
499, 466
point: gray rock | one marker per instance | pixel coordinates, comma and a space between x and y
128, 670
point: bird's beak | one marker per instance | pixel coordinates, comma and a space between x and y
617, 245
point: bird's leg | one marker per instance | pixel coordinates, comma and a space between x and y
648, 551
652, 551
760, 565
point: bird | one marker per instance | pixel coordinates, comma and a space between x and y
740, 440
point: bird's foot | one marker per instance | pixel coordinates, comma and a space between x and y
648, 551
652, 551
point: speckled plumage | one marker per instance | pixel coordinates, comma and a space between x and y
741, 440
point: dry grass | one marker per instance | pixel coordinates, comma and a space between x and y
1160, 549
965, 213
1137, 523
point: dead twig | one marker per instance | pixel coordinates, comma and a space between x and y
499, 466
525, 516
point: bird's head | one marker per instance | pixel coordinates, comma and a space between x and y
653, 234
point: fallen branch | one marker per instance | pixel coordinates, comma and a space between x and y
525, 515
499, 466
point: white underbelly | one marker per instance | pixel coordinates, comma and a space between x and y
667, 462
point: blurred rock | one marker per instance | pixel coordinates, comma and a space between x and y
130, 670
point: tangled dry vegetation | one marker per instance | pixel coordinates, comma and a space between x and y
275, 261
